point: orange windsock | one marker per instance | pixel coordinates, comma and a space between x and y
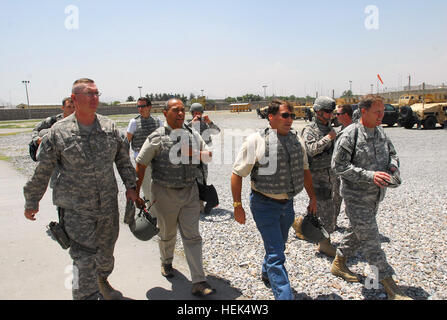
378, 76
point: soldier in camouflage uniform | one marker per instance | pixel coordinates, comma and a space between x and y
365, 159
84, 146
42, 128
138, 130
67, 109
206, 128
344, 117
276, 160
319, 139
174, 152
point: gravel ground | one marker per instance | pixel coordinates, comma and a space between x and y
412, 220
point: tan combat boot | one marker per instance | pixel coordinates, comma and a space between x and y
107, 291
297, 227
327, 248
340, 269
392, 290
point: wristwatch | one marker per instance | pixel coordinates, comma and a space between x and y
237, 204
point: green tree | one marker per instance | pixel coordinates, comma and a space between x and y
130, 99
347, 93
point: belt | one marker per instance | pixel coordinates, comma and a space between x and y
283, 201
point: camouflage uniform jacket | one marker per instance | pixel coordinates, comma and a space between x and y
201, 127
86, 181
356, 115
319, 147
358, 154
44, 124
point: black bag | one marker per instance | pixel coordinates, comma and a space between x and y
208, 194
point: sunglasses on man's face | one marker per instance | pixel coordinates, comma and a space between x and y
339, 113
286, 115
142, 106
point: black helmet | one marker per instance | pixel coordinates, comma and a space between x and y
312, 229
144, 227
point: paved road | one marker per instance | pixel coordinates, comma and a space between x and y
33, 266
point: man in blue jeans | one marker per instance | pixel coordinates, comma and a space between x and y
276, 160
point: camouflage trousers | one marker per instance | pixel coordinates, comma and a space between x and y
337, 198
363, 235
92, 252
323, 181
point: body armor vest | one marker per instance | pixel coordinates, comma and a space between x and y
289, 175
145, 126
164, 172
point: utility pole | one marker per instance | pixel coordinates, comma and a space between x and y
202, 92
26, 82
409, 82
265, 95
350, 85
140, 90
372, 88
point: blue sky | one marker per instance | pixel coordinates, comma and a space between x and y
226, 48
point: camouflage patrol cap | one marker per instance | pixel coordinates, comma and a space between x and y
324, 103
196, 107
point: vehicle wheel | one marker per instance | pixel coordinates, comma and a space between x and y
406, 113
430, 123
390, 124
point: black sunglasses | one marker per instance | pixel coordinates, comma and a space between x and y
143, 106
286, 115
339, 113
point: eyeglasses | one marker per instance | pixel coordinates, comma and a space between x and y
142, 106
286, 115
90, 94
339, 113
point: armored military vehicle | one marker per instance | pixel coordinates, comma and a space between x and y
426, 115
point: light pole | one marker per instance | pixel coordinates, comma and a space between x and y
140, 90
350, 85
202, 92
265, 94
26, 82
372, 88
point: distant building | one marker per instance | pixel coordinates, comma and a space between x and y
39, 106
127, 104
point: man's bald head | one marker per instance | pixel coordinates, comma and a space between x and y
171, 102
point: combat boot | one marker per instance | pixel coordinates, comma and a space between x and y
392, 290
297, 227
327, 248
340, 269
107, 291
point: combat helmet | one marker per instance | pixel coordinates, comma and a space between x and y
312, 228
144, 226
196, 107
324, 103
